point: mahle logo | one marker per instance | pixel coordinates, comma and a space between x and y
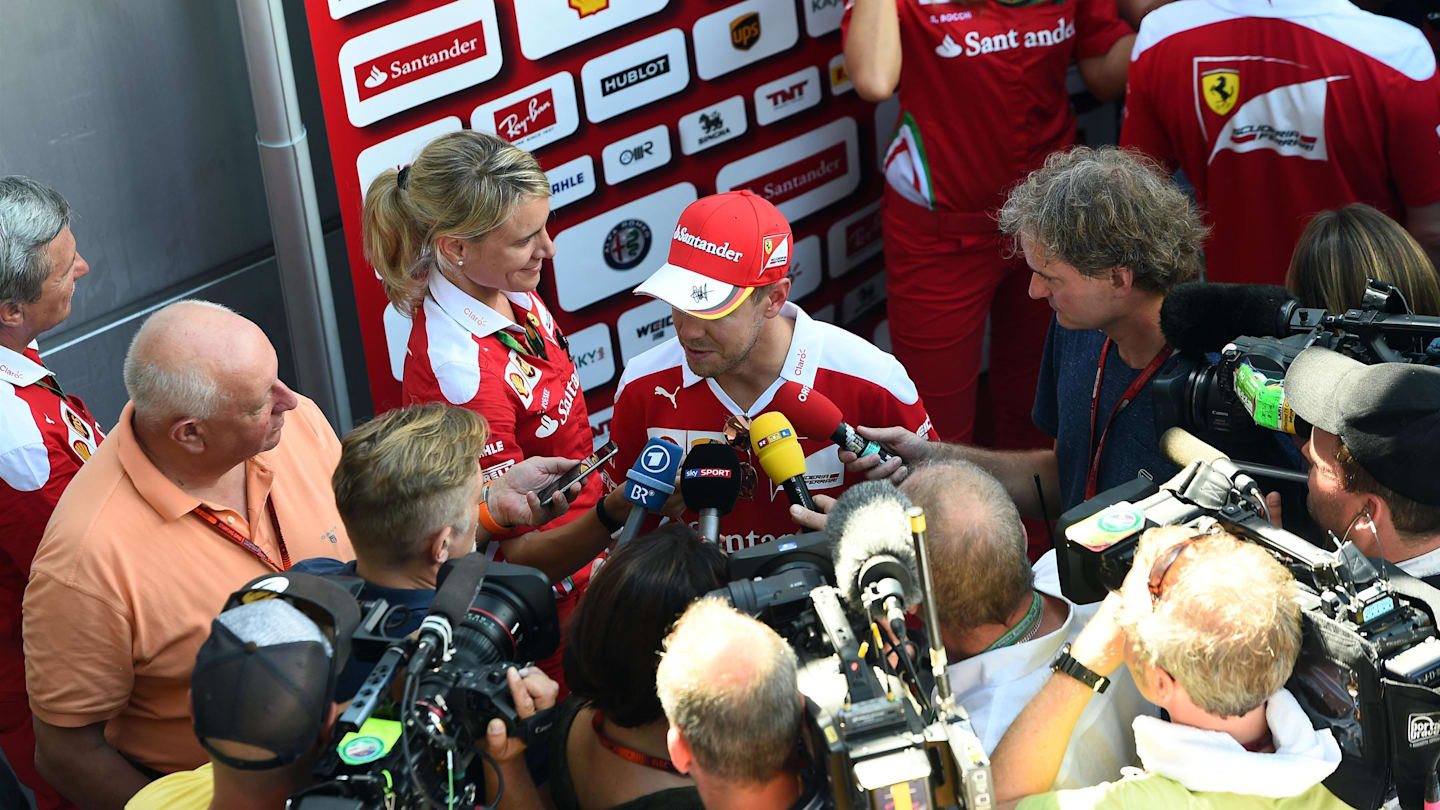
745, 31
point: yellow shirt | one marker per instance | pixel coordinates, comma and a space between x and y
182, 790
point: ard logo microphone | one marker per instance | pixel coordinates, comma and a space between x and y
649, 483
710, 483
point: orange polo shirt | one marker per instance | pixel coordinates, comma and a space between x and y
127, 580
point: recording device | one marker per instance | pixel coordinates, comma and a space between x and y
813, 414
417, 751
710, 484
1369, 664
579, 472
1258, 331
649, 482
870, 721
778, 450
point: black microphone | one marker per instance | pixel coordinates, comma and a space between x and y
875, 552
1200, 317
710, 484
456, 587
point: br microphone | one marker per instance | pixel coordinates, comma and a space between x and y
814, 415
710, 483
1200, 317
457, 584
875, 552
649, 482
778, 450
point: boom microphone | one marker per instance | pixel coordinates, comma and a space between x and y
710, 484
457, 583
875, 551
1199, 317
649, 482
813, 414
1183, 447
778, 450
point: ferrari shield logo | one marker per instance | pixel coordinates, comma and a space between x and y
1220, 88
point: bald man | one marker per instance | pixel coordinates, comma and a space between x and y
216, 473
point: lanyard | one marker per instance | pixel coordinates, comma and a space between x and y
630, 754
1022, 628
1092, 481
213, 521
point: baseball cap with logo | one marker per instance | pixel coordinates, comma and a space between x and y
724, 246
1387, 414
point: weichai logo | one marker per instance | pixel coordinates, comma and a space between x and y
802, 175
418, 60
526, 116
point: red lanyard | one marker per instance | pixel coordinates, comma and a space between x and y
637, 757
1092, 481
213, 521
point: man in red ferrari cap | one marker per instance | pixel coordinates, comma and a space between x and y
737, 340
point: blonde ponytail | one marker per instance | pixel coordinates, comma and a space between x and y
463, 184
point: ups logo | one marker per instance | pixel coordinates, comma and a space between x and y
745, 31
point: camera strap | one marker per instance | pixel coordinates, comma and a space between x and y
229, 533
1092, 480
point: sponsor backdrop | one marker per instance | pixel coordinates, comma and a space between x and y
634, 108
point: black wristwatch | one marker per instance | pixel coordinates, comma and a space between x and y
611, 524
1065, 663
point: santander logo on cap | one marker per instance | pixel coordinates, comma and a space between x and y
714, 233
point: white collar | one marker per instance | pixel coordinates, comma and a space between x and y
19, 370
801, 363
1018, 660
480, 319
1424, 565
1285, 8
1204, 760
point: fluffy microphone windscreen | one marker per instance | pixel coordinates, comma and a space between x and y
869, 520
1199, 317
710, 477
811, 412
776, 446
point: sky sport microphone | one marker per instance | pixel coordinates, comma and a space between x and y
649, 482
778, 449
874, 551
710, 483
814, 415
457, 584
1200, 317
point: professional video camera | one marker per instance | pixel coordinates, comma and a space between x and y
869, 718
413, 752
1242, 390
1370, 661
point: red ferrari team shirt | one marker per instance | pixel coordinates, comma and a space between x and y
982, 94
44, 438
1279, 110
660, 397
463, 352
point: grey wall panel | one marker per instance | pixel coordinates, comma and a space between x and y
139, 113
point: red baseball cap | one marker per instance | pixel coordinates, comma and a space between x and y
724, 246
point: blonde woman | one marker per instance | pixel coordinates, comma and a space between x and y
1339, 250
459, 241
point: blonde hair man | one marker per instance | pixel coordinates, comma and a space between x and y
1209, 627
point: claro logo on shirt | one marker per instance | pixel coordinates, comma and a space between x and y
441, 51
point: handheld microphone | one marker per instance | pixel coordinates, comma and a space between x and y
875, 551
813, 414
1199, 317
649, 482
1183, 447
710, 484
457, 585
777, 448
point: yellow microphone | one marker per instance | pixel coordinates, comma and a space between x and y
778, 449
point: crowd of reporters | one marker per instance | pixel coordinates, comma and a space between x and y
166, 669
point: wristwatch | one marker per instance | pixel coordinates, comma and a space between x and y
1065, 663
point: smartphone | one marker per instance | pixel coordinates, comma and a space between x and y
579, 472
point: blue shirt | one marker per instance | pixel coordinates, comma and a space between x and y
1067, 375
408, 609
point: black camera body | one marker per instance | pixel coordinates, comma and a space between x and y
1369, 664
414, 750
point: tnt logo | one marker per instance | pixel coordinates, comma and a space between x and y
785, 95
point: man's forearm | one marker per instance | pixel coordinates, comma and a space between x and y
86, 769
560, 552
1016, 471
1028, 757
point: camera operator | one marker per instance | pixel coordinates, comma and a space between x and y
1106, 237
1372, 448
1002, 622
1209, 627
407, 486
728, 685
